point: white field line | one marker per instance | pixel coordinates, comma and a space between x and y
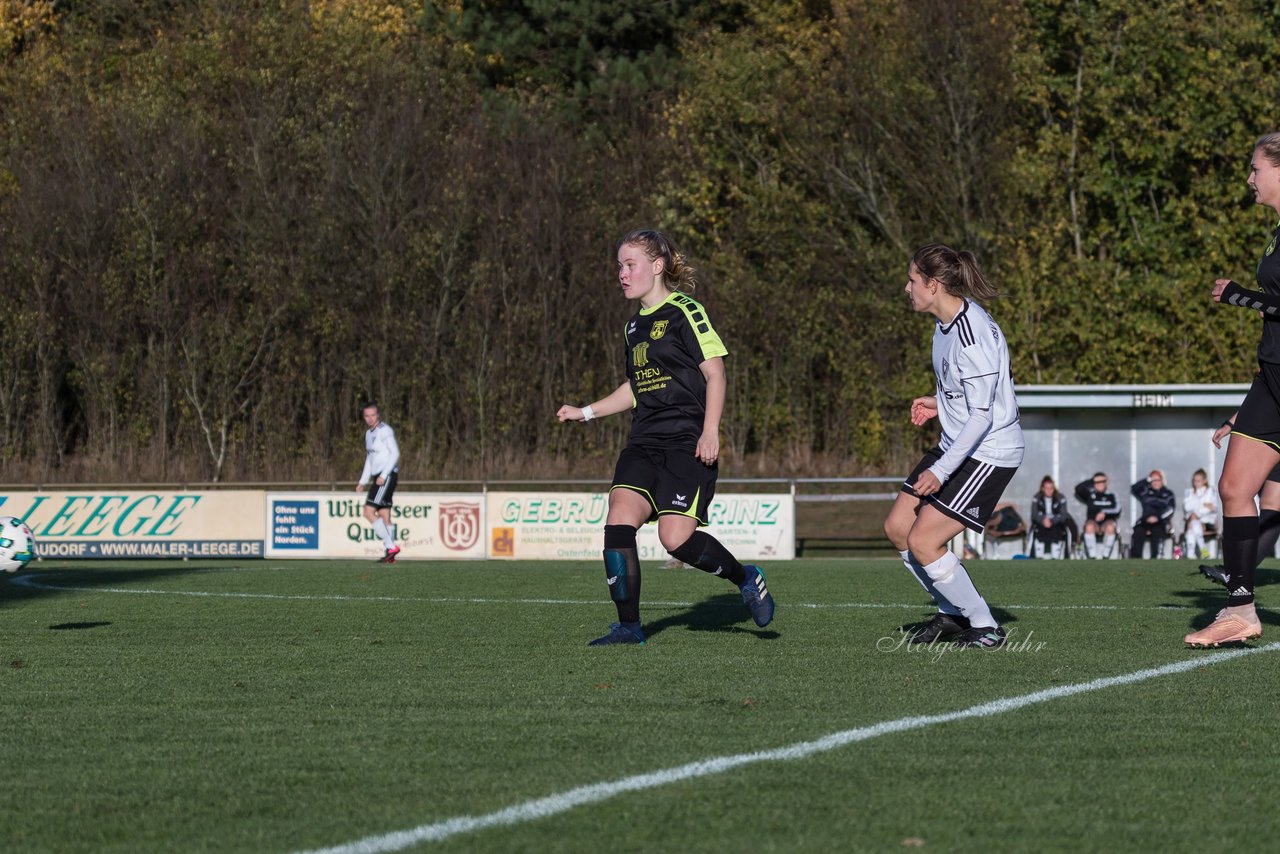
583, 795
30, 581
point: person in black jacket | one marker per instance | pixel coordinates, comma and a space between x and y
1102, 512
1050, 520
1158, 504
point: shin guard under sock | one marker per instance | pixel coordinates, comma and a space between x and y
1240, 557
709, 555
622, 571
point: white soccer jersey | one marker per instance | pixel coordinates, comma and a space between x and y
975, 389
1202, 504
381, 453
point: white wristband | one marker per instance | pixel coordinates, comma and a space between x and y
588, 413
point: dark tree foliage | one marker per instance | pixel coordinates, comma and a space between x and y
224, 225
585, 50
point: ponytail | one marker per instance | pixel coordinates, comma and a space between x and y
677, 275
957, 271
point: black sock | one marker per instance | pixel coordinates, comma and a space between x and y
1268, 533
709, 555
1240, 557
622, 571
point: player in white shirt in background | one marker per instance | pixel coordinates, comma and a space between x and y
1200, 503
958, 483
381, 470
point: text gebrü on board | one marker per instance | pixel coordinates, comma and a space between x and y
570, 526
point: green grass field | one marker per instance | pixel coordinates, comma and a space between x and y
283, 706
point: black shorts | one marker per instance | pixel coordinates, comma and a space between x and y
381, 495
1259, 413
971, 494
671, 479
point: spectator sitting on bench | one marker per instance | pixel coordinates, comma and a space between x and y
1152, 527
1005, 523
1051, 521
1200, 504
1102, 511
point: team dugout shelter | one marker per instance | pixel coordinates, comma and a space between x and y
1073, 431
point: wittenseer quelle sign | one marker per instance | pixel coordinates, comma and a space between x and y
570, 526
141, 524
332, 525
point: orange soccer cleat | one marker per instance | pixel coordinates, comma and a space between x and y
1226, 628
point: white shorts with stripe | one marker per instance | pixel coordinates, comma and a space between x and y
971, 494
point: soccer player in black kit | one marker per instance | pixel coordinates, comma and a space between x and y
1254, 449
667, 472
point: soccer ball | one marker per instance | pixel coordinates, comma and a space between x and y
17, 544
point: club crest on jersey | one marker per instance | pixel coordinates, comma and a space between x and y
659, 329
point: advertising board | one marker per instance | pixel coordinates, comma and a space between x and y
332, 525
570, 526
141, 524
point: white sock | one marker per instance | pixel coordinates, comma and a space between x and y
1109, 543
917, 570
952, 581
380, 528
1090, 545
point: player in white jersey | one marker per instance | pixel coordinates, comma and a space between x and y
381, 471
958, 483
1200, 503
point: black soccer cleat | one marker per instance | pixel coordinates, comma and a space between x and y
941, 627
983, 637
1216, 574
756, 595
390, 556
620, 633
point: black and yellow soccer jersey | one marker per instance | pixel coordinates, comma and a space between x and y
1269, 281
665, 347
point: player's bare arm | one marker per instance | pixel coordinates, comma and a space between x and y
619, 400
1223, 429
708, 449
